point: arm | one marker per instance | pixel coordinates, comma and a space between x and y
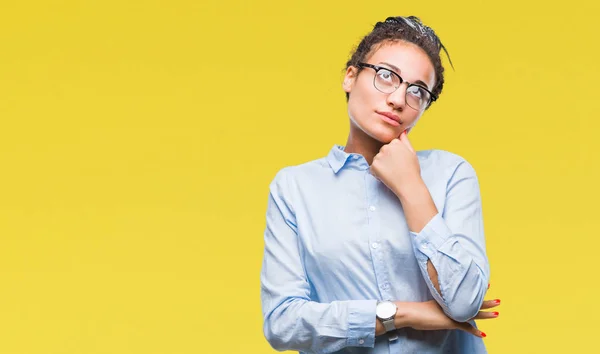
450, 246
419, 208
429, 315
291, 320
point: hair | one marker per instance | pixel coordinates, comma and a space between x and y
408, 29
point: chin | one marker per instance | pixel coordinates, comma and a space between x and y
384, 136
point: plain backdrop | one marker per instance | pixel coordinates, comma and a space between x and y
138, 139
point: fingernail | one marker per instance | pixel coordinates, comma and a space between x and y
488, 285
483, 335
497, 301
496, 313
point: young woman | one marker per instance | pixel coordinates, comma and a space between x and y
377, 248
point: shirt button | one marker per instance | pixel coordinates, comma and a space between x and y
372, 208
424, 245
362, 341
374, 245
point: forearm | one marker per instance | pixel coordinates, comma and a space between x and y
454, 266
417, 204
426, 316
419, 209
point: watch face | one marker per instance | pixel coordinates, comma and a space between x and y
386, 309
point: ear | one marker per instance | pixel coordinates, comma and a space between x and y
349, 78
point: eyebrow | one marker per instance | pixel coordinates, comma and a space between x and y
400, 71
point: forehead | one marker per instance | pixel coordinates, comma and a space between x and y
413, 62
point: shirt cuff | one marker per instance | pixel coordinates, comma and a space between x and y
361, 323
433, 236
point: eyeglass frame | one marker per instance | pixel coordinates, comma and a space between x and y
377, 68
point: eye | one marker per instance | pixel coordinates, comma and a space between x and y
417, 92
385, 75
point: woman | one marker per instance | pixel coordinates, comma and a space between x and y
376, 248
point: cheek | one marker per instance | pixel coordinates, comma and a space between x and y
413, 118
362, 102
356, 105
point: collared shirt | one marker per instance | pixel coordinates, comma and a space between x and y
337, 241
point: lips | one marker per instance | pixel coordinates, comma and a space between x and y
390, 118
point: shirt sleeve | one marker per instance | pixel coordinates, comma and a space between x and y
291, 320
454, 242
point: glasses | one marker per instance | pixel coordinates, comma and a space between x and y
387, 81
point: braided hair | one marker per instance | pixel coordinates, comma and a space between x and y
408, 29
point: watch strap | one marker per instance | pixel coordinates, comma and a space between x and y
392, 335
390, 328
389, 324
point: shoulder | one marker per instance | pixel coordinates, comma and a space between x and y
293, 173
442, 161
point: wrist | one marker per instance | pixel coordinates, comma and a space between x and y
402, 318
409, 188
379, 328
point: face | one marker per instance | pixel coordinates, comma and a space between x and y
366, 103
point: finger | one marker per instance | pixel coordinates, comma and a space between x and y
405, 131
467, 327
404, 139
488, 304
484, 315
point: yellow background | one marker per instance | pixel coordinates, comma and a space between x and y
138, 139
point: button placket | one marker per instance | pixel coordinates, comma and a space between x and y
374, 228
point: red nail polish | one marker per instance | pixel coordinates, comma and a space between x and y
488, 285
483, 334
497, 301
496, 313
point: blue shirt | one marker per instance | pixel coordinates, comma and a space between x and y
337, 241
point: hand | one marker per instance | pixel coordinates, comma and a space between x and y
396, 164
430, 316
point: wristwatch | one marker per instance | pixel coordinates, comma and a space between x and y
386, 312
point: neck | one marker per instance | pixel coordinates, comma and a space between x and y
360, 143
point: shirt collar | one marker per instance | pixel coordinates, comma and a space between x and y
338, 159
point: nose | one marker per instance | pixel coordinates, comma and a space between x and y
397, 99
